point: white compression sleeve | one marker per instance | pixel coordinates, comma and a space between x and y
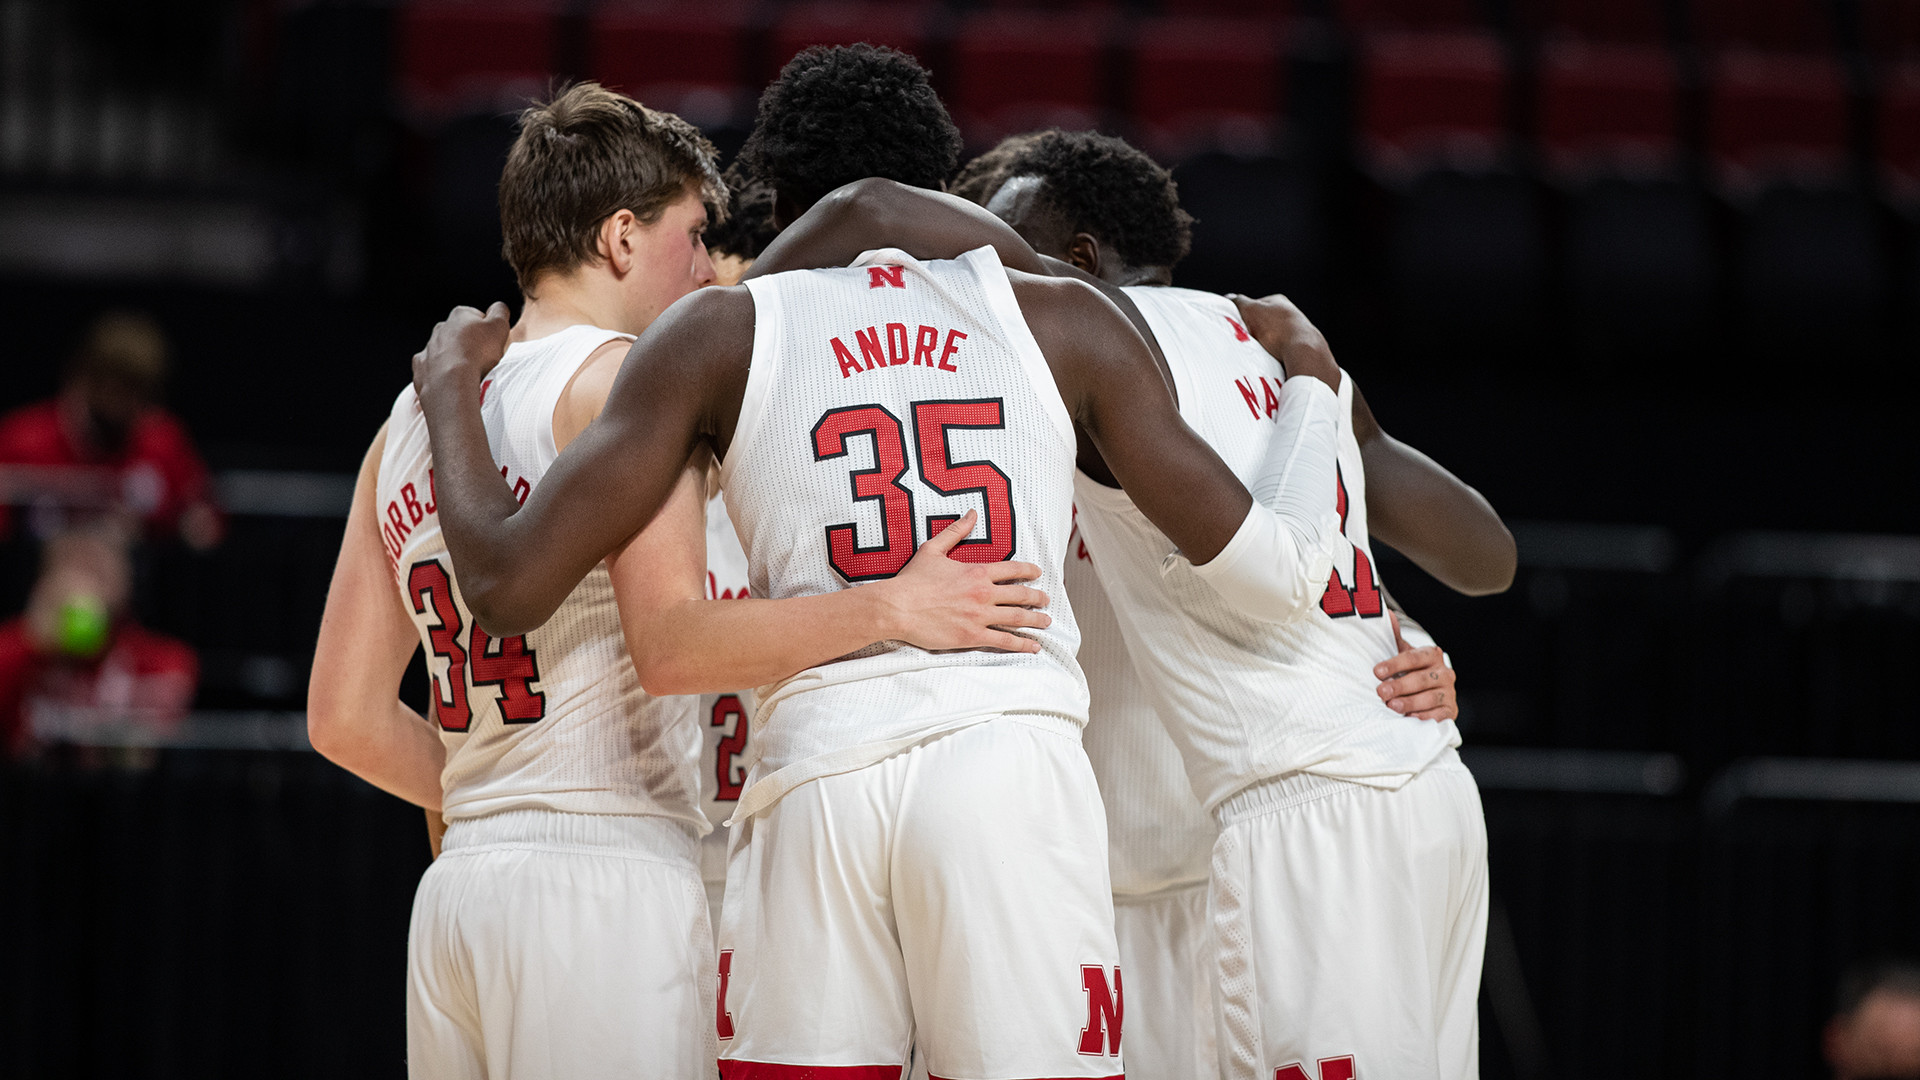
1276, 566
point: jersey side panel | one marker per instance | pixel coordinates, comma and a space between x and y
1159, 836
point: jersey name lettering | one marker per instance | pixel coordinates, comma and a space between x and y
1261, 394
894, 346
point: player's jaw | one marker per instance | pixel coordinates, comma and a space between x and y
669, 261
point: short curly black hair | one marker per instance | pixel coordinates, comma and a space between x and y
843, 113
1106, 188
748, 228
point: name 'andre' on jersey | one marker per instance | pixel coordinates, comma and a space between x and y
554, 718
1247, 700
885, 400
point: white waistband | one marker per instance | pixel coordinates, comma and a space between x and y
1296, 788
762, 792
631, 833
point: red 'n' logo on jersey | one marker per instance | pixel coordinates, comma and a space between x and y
1239, 332
1106, 1007
1340, 1068
881, 277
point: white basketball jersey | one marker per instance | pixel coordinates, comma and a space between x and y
1247, 700
885, 400
723, 752
1159, 837
554, 718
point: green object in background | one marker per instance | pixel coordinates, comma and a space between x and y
84, 626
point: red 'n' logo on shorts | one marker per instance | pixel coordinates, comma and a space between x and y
1105, 1008
722, 1019
1340, 1068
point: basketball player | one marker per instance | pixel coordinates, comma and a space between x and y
887, 871
565, 932
1348, 886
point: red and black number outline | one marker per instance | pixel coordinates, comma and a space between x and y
880, 483
1364, 598
932, 420
427, 583
513, 669
731, 746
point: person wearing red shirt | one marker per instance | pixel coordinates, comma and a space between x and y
105, 443
76, 656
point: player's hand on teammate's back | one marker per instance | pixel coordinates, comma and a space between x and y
1285, 331
464, 346
1417, 682
943, 603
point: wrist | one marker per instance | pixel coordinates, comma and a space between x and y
883, 614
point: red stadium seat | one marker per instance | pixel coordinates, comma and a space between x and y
1016, 71
1199, 81
1412, 14
1639, 22
1898, 135
1801, 26
1244, 9
1773, 113
683, 59
1612, 106
1432, 95
901, 26
462, 55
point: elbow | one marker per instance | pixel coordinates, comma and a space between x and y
494, 607
663, 674
326, 726
1493, 572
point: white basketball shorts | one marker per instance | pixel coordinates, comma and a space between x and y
546, 945
1166, 949
953, 896
1349, 924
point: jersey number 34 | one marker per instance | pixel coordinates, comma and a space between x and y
485, 660
931, 422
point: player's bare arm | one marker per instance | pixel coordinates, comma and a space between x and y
354, 716
681, 642
925, 224
1268, 562
1413, 503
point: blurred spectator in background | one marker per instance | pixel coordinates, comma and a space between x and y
736, 242
77, 657
105, 444
1875, 1030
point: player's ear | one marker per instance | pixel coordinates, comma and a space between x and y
616, 243
1083, 251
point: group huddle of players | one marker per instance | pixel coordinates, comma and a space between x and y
942, 651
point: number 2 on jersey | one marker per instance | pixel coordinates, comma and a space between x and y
487, 661
1364, 598
931, 422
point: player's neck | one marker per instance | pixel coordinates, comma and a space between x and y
558, 303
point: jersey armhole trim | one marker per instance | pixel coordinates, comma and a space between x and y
1186, 395
545, 446
986, 265
760, 371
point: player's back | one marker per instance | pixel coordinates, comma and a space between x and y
555, 718
1244, 699
884, 401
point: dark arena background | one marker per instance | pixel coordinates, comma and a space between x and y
1645, 272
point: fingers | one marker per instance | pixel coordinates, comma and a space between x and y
952, 534
1022, 618
1024, 596
1000, 639
1003, 573
1393, 620
1427, 701
1409, 660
